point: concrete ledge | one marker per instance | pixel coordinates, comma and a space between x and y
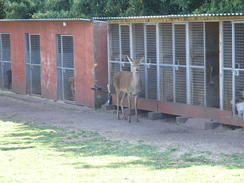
181, 119
201, 123
155, 115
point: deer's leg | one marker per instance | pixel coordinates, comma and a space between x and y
118, 97
136, 109
121, 103
129, 105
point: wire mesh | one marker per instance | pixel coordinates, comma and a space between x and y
227, 90
5, 47
239, 45
5, 62
35, 49
227, 44
166, 84
151, 43
114, 46
138, 40
180, 44
197, 86
68, 84
197, 75
67, 51
125, 42
65, 67
36, 79
33, 71
180, 85
166, 43
197, 43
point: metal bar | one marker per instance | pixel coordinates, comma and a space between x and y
108, 47
158, 60
30, 61
145, 63
62, 73
221, 64
204, 57
173, 51
120, 49
131, 41
233, 67
188, 76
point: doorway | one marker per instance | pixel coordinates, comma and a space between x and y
212, 64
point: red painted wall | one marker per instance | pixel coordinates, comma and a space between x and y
83, 40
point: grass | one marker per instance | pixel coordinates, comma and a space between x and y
38, 154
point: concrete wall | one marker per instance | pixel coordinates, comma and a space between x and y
83, 40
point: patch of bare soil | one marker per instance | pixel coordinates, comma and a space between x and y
162, 133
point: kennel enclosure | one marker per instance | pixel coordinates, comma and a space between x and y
39, 56
193, 64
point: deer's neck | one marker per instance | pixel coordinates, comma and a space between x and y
136, 82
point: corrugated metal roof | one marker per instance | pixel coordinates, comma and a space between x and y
51, 19
169, 16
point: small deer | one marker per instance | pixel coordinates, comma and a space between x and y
128, 83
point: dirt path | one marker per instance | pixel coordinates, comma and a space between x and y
160, 132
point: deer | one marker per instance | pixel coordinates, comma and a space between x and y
128, 83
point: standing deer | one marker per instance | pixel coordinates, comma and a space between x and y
128, 83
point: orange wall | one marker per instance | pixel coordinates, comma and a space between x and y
82, 32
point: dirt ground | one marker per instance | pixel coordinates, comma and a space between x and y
158, 132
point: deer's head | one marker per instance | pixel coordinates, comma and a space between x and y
135, 64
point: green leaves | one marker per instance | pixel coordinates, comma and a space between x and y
95, 8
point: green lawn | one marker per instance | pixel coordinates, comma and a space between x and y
43, 154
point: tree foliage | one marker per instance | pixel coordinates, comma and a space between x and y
93, 8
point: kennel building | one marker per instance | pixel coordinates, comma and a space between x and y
60, 59
193, 64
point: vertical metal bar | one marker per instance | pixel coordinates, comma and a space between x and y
131, 42
120, 49
30, 65
204, 57
173, 51
233, 68
188, 76
221, 64
145, 63
158, 60
62, 70
108, 47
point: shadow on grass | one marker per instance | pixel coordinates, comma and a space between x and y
89, 144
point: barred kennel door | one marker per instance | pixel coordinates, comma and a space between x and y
238, 49
5, 62
65, 67
33, 71
179, 61
172, 62
197, 63
151, 61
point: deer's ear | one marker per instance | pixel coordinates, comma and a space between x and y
130, 60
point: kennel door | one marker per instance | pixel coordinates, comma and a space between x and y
65, 67
197, 63
33, 67
151, 61
5, 62
179, 62
238, 65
